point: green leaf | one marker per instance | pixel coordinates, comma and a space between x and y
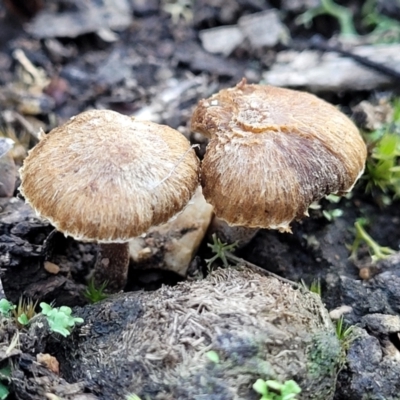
23, 319
5, 307
219, 249
5, 373
274, 385
46, 308
260, 386
213, 356
60, 319
288, 396
132, 397
95, 293
66, 310
58, 329
4, 392
289, 390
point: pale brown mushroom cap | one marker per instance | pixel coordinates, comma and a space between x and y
272, 152
108, 177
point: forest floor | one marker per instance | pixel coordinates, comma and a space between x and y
156, 59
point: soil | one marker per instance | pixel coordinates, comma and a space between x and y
153, 64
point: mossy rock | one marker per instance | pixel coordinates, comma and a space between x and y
155, 344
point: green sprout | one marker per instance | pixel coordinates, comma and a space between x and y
333, 198
5, 374
6, 307
132, 397
213, 356
315, 286
384, 29
382, 170
377, 252
329, 7
343, 332
331, 215
60, 319
346, 335
274, 390
95, 294
219, 249
396, 109
382, 173
24, 311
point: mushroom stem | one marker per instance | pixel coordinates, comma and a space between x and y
231, 234
112, 266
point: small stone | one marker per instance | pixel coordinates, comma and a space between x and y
49, 361
263, 29
382, 323
144, 254
6, 144
87, 17
365, 273
339, 312
299, 5
375, 116
330, 71
8, 170
51, 267
223, 40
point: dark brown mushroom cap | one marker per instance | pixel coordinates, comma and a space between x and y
108, 177
272, 152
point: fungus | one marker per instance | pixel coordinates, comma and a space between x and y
105, 177
272, 152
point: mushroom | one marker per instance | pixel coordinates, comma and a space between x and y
105, 177
272, 152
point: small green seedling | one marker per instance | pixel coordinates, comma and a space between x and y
342, 331
213, 356
95, 294
274, 390
333, 198
132, 397
219, 249
377, 252
382, 170
384, 29
5, 374
60, 319
315, 286
24, 311
4, 391
331, 215
345, 335
6, 307
329, 7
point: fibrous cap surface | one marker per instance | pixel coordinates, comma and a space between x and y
273, 152
107, 177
